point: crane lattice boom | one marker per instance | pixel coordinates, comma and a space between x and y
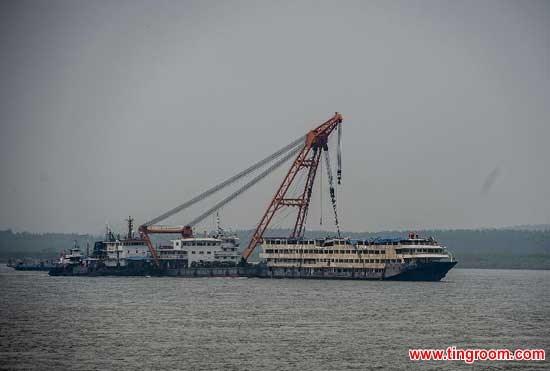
308, 158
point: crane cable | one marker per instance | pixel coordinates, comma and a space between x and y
331, 189
290, 147
239, 191
339, 155
321, 193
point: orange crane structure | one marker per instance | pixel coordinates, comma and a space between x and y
308, 152
307, 160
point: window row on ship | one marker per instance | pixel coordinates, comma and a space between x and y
349, 242
354, 251
331, 260
198, 243
334, 269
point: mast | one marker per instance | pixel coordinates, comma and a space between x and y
130, 221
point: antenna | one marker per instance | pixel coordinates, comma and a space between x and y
130, 221
220, 229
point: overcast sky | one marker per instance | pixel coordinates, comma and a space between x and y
112, 108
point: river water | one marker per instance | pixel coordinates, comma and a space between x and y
260, 324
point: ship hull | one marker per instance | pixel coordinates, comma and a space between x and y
250, 271
432, 271
32, 268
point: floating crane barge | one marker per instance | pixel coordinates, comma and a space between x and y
294, 256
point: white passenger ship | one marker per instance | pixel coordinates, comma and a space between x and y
412, 258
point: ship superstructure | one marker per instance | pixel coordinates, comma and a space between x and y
120, 253
115, 251
71, 257
188, 252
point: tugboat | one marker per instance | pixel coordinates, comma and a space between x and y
68, 263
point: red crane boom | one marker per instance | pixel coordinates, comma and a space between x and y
308, 158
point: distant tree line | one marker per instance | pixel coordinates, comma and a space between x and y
484, 248
40, 245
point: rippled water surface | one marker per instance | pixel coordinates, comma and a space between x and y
250, 324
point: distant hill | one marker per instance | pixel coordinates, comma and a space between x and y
530, 227
526, 247
40, 245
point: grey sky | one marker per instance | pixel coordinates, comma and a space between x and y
110, 108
